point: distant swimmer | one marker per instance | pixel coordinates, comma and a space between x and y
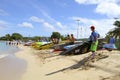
9, 43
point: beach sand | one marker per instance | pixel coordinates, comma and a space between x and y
31, 64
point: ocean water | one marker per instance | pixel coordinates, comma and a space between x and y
7, 49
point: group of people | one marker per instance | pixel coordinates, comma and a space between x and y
70, 39
93, 39
12, 43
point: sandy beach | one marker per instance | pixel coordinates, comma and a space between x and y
59, 39
29, 64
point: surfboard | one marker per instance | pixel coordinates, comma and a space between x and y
77, 49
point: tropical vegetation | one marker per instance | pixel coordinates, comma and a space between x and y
18, 36
115, 33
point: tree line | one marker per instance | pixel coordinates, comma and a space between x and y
18, 36
14, 36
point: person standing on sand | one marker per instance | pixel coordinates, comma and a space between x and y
94, 39
112, 43
111, 40
68, 38
72, 39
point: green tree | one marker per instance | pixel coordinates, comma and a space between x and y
116, 31
55, 35
26, 39
36, 38
3, 38
63, 37
17, 36
8, 37
117, 23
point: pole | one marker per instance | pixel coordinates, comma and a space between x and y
78, 28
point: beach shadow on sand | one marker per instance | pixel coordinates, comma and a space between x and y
83, 64
75, 66
12, 68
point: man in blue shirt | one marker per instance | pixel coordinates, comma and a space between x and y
94, 39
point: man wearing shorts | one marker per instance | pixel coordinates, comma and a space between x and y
94, 39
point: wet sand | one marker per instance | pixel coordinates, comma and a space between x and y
12, 68
31, 65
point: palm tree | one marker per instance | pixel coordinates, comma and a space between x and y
116, 31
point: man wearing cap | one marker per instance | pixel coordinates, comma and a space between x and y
94, 39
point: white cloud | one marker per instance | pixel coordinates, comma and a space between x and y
95, 1
26, 24
111, 8
52, 20
59, 24
3, 24
36, 19
3, 13
48, 25
43, 22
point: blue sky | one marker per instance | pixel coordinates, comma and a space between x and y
42, 17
